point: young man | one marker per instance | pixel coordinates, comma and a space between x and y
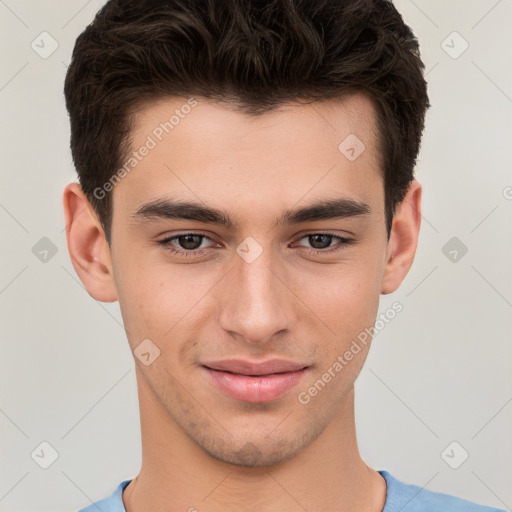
247, 194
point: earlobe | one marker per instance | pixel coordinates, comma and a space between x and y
403, 239
87, 246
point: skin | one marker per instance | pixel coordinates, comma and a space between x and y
201, 448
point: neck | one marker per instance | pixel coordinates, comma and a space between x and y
178, 475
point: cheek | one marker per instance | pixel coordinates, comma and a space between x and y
344, 296
157, 296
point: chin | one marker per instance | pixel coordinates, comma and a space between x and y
252, 450
252, 455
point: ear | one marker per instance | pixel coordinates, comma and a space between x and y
403, 239
87, 245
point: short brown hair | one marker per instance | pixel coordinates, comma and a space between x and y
255, 54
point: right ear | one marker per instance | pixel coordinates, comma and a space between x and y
87, 245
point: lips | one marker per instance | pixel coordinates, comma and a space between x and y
244, 367
255, 381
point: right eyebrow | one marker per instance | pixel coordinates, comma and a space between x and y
173, 209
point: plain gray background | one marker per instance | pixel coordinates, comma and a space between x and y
439, 373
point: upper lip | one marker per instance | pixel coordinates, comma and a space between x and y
245, 367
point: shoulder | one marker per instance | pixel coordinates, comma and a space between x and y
112, 503
405, 497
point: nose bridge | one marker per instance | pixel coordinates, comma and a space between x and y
256, 304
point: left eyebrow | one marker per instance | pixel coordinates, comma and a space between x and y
321, 210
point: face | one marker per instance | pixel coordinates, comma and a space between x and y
265, 276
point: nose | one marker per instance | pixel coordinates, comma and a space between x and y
256, 303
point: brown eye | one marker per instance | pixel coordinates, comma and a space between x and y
322, 242
189, 242
186, 244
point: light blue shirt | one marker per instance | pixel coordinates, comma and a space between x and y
400, 497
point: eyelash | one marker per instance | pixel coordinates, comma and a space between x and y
343, 242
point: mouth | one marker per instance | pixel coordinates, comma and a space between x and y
255, 382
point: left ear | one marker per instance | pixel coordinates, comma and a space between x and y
403, 239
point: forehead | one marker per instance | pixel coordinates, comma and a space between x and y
168, 118
193, 148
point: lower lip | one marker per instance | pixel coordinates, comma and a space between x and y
255, 389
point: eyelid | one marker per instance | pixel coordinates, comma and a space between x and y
342, 239
343, 243
168, 239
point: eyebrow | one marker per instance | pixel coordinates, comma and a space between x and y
322, 210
